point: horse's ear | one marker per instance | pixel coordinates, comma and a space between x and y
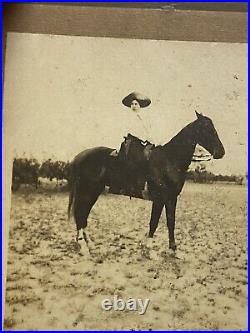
198, 115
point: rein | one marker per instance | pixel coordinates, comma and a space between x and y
196, 158
148, 146
201, 158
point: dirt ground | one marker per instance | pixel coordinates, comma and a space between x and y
52, 284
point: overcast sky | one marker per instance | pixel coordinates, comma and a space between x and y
63, 94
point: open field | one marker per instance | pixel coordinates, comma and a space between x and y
52, 284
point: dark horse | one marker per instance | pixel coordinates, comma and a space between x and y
163, 168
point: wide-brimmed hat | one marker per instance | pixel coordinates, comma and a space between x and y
141, 99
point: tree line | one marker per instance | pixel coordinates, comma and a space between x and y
201, 175
29, 170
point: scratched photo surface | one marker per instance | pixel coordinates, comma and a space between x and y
63, 95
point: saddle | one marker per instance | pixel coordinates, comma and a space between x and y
133, 157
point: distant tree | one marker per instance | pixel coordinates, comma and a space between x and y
47, 170
58, 170
25, 171
66, 171
201, 175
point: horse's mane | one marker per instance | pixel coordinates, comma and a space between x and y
179, 136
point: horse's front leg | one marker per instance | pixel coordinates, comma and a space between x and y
170, 207
155, 216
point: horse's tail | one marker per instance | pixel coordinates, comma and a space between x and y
71, 198
72, 186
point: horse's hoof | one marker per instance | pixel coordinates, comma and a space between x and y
172, 247
149, 242
77, 247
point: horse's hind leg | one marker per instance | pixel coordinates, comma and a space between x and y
81, 212
82, 207
79, 208
155, 216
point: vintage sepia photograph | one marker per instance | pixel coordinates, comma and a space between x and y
128, 170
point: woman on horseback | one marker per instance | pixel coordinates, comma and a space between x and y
137, 123
137, 136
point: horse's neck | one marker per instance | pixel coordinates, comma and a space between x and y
182, 146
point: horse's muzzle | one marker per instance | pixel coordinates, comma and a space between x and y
218, 154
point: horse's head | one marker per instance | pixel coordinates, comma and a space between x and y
207, 136
132, 150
